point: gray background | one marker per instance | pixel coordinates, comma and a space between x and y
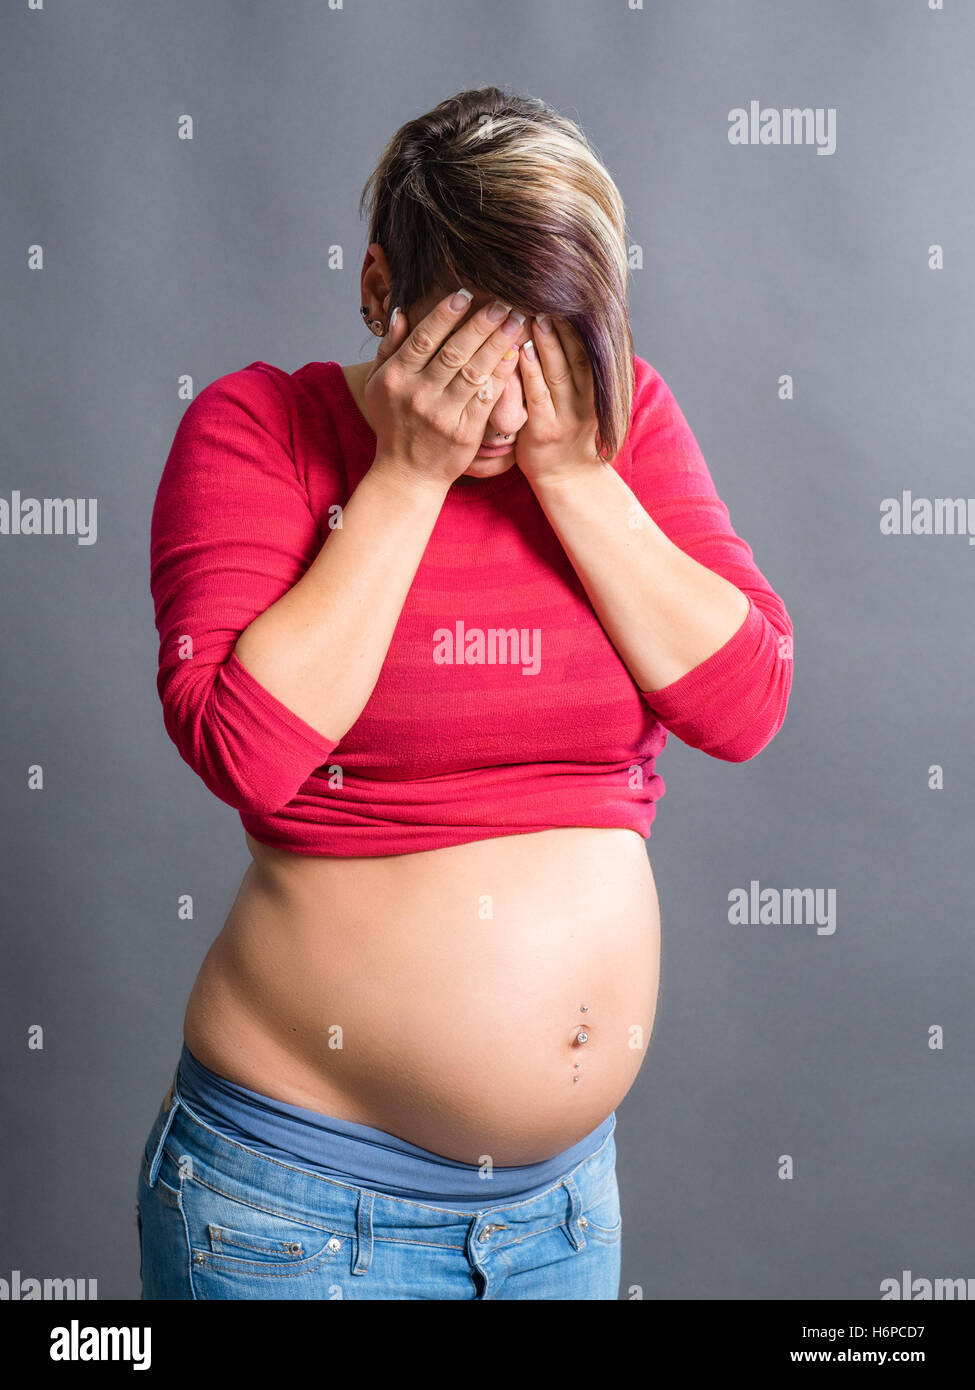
165, 257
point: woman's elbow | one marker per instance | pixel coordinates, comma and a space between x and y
761, 727
237, 763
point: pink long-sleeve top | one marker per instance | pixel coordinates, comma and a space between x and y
452, 745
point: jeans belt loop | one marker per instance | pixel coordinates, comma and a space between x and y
575, 1212
363, 1231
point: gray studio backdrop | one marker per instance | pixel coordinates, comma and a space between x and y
802, 1126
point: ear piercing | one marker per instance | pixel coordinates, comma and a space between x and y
375, 324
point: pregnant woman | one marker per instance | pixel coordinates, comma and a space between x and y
425, 622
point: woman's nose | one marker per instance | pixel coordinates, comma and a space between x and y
509, 413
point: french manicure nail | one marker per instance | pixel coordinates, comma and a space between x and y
460, 299
544, 322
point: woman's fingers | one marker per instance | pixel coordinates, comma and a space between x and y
480, 404
537, 397
488, 359
578, 361
441, 343
397, 330
417, 350
458, 358
551, 358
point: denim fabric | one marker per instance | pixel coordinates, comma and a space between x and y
218, 1220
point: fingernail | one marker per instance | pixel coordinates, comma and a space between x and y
544, 322
497, 312
392, 319
512, 323
460, 299
529, 350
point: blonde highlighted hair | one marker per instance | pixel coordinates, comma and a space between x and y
501, 193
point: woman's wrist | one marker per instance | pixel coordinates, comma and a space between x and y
402, 479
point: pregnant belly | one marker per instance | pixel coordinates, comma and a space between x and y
491, 1000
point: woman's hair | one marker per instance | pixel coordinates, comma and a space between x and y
502, 194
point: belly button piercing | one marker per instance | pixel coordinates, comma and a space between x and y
583, 1008
582, 1036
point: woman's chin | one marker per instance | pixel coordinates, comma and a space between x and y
486, 466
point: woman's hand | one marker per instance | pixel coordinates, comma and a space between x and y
559, 436
432, 390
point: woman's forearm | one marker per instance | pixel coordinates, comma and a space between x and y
319, 649
663, 611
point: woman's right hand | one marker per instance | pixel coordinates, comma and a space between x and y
423, 389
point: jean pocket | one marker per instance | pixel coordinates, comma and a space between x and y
244, 1246
602, 1219
290, 1248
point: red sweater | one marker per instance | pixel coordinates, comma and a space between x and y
552, 732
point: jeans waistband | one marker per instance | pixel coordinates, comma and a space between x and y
360, 1154
181, 1138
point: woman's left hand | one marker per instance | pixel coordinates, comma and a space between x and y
559, 436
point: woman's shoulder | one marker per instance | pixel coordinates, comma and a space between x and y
260, 389
265, 379
649, 387
656, 415
260, 422
283, 402
316, 395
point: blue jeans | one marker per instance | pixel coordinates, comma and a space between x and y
218, 1220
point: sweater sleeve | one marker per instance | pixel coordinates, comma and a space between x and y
733, 703
232, 530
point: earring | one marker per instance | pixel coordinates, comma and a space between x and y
375, 324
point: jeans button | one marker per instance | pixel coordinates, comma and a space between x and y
583, 1221
335, 1243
